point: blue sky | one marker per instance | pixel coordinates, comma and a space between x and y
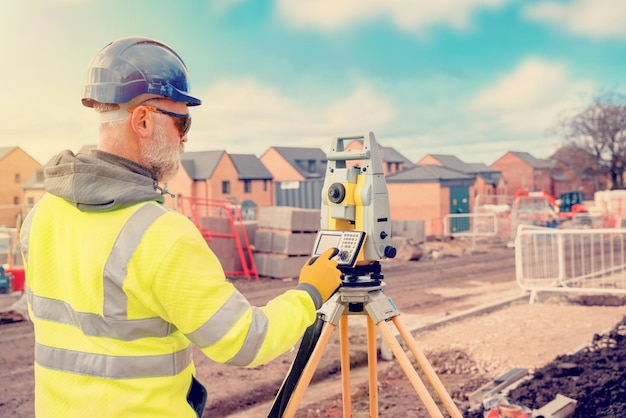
471, 78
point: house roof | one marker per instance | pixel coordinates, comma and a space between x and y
455, 163
309, 162
429, 173
532, 161
201, 164
491, 177
250, 167
488, 174
390, 155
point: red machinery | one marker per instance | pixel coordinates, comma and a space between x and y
569, 204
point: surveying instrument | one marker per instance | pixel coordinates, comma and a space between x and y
355, 220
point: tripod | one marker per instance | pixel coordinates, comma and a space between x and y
357, 297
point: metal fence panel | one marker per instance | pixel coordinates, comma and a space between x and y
299, 194
572, 260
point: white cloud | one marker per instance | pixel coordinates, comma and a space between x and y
593, 18
529, 99
408, 15
243, 116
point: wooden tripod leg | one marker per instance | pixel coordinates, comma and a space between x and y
372, 365
427, 368
308, 371
344, 344
409, 371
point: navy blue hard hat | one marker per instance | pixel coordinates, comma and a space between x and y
129, 67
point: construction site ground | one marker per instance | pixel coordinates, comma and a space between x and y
466, 313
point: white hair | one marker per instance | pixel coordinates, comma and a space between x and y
112, 112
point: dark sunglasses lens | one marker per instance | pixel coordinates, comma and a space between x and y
183, 124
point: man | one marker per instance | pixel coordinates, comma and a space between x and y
118, 285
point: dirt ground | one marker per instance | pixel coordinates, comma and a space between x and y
443, 298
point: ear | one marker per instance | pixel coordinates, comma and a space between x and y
142, 122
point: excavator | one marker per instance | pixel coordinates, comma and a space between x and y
569, 204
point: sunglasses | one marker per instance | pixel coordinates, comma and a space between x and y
182, 121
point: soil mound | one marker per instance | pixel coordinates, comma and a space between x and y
594, 376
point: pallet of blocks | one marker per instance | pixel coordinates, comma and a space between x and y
284, 240
229, 244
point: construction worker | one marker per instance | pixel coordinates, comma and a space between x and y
119, 286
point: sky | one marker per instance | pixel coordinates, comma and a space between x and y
470, 78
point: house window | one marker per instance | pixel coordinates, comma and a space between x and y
17, 177
226, 187
264, 185
31, 201
247, 186
311, 166
16, 200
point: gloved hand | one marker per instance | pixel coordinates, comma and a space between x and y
322, 275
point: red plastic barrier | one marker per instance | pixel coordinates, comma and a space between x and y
18, 278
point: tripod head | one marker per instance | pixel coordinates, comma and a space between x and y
355, 215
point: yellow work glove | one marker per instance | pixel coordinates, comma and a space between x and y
320, 276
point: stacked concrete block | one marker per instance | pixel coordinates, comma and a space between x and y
292, 243
220, 237
288, 218
412, 229
284, 240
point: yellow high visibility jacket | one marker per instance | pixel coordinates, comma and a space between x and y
116, 298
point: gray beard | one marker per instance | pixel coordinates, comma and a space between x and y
163, 159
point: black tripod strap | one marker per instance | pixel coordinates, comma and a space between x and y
309, 341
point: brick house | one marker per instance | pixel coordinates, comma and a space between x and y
295, 164
298, 175
523, 171
16, 167
220, 175
488, 181
428, 192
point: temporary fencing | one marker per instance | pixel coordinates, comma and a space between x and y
222, 226
571, 260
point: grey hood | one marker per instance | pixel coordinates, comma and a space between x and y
99, 181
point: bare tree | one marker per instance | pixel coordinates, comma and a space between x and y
600, 130
580, 162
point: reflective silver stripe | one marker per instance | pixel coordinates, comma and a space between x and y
221, 322
112, 367
224, 319
114, 324
253, 341
94, 325
115, 300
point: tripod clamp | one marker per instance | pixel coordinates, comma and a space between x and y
350, 300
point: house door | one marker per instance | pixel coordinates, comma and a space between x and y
459, 203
